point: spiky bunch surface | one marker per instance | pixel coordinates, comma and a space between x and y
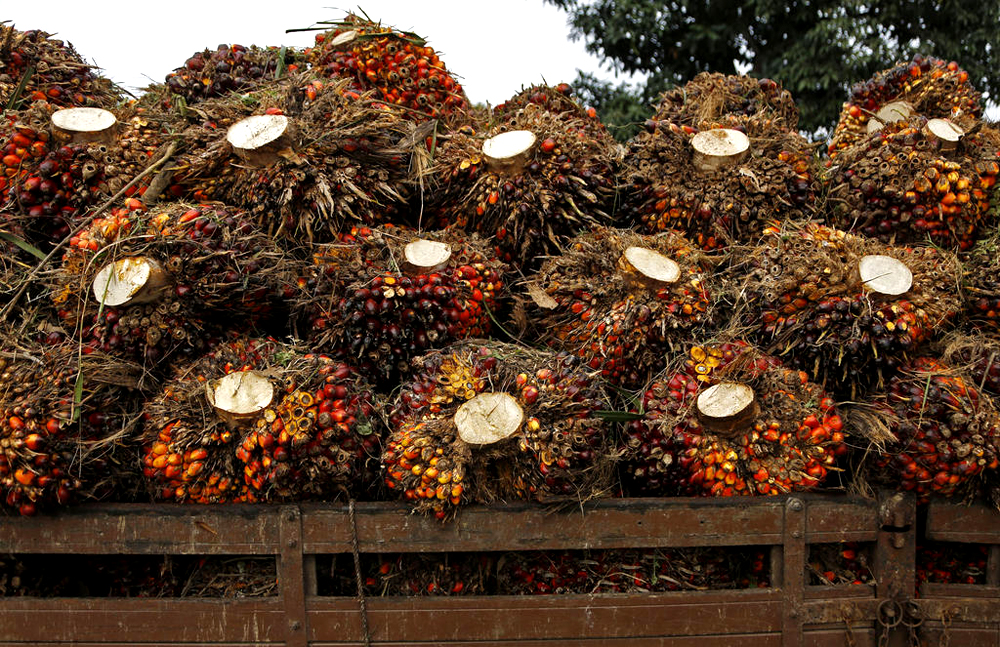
947, 436
712, 96
312, 440
601, 309
230, 68
347, 161
931, 86
664, 191
222, 274
789, 444
399, 67
560, 450
360, 302
49, 70
63, 424
807, 303
897, 185
564, 184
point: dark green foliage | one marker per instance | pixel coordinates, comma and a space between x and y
816, 49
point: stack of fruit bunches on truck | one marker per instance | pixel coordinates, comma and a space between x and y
324, 273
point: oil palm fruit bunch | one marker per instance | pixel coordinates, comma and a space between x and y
917, 180
257, 420
385, 295
620, 301
981, 279
847, 309
50, 177
533, 181
977, 354
733, 422
718, 181
149, 285
946, 433
65, 421
485, 421
34, 67
420, 574
303, 167
230, 68
713, 96
399, 67
925, 86
553, 98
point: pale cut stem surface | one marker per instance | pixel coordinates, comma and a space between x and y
885, 275
85, 125
130, 281
261, 140
509, 151
488, 418
890, 113
727, 406
946, 132
719, 148
425, 256
650, 268
240, 395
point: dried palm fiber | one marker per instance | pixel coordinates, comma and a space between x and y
621, 301
755, 171
846, 309
383, 296
338, 159
906, 184
631, 571
35, 67
554, 98
946, 435
712, 96
925, 86
157, 284
399, 67
976, 354
532, 181
66, 421
841, 563
486, 421
259, 420
731, 421
981, 277
230, 68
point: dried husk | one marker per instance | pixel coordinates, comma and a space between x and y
713, 96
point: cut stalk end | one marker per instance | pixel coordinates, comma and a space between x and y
509, 151
425, 256
885, 275
488, 418
649, 268
261, 140
947, 133
719, 148
727, 407
129, 281
888, 114
240, 395
85, 125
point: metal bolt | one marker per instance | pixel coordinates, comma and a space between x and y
295, 625
291, 515
796, 534
794, 613
292, 543
795, 505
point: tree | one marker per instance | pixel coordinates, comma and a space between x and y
815, 48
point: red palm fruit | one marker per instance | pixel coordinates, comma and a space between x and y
50, 70
951, 563
383, 296
64, 422
842, 563
945, 433
926, 86
230, 68
541, 410
848, 309
733, 422
533, 181
677, 179
714, 96
907, 183
621, 301
333, 161
399, 67
152, 284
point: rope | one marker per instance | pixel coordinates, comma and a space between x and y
357, 575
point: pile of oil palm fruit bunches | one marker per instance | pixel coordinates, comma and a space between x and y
323, 273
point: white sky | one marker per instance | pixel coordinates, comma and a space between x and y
495, 48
